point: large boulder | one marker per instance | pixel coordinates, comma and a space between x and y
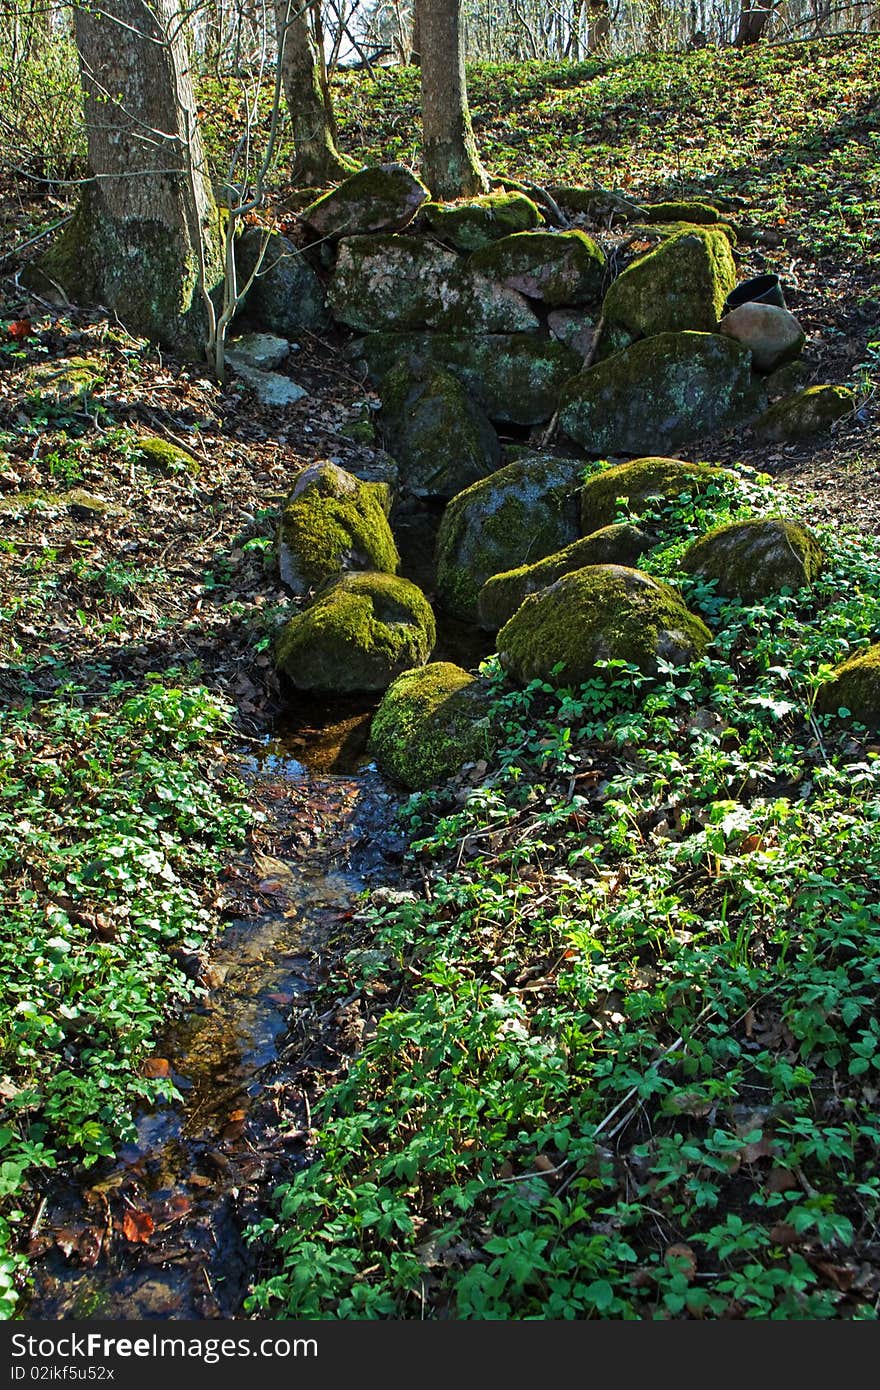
700, 214
751, 559
807, 413
601, 613
516, 377
855, 687
286, 295
430, 722
638, 483
502, 595
384, 199
475, 222
357, 634
440, 437
680, 286
402, 282
332, 522
659, 393
522, 512
772, 335
556, 268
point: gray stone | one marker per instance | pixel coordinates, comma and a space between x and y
574, 329
772, 335
441, 438
270, 388
264, 351
382, 199
286, 295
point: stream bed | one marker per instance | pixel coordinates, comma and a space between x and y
160, 1232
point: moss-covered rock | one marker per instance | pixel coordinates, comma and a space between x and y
855, 686
556, 268
659, 393
700, 214
65, 380
601, 613
517, 515
574, 328
597, 204
430, 722
383, 199
441, 438
358, 633
809, 412
331, 522
475, 222
165, 457
772, 335
680, 286
638, 483
751, 559
285, 295
402, 282
516, 377
502, 595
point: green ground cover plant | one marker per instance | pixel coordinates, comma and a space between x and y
631, 1063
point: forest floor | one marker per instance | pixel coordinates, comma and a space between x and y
126, 591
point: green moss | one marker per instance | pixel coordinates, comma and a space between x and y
441, 439
640, 481
660, 393
502, 595
516, 377
65, 380
165, 457
557, 268
680, 286
475, 222
333, 522
751, 559
519, 514
359, 632
855, 686
603, 612
665, 230
809, 412
698, 213
386, 197
430, 722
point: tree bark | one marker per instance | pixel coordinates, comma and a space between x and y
598, 25
146, 234
415, 48
317, 160
753, 20
450, 165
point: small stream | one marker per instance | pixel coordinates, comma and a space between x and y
159, 1232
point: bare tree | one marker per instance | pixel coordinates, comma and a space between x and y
317, 160
450, 164
145, 239
598, 25
753, 19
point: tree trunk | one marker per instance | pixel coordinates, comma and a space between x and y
598, 25
450, 165
753, 19
317, 160
146, 234
415, 55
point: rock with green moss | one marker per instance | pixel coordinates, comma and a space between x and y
475, 222
65, 380
601, 613
520, 514
430, 722
755, 558
161, 456
855, 687
502, 595
382, 199
441, 438
660, 393
358, 633
285, 295
680, 286
807, 413
700, 214
556, 268
598, 204
402, 282
331, 522
637, 485
516, 377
